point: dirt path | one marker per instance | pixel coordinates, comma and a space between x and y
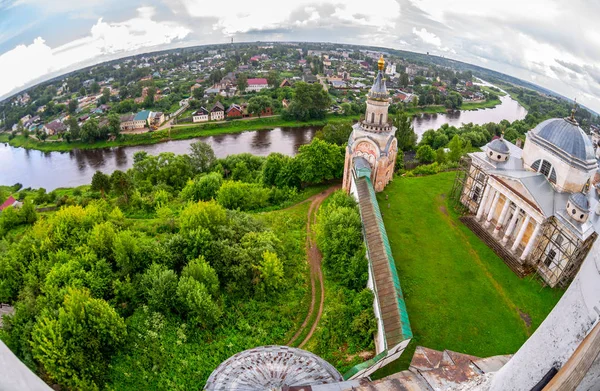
313, 257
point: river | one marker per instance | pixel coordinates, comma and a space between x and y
66, 169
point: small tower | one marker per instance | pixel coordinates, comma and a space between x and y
373, 139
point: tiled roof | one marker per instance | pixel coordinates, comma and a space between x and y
9, 202
259, 81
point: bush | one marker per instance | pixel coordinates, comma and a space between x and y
425, 154
204, 188
243, 196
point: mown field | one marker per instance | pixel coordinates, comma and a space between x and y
459, 295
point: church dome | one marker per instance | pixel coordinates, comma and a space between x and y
271, 368
566, 135
580, 201
498, 145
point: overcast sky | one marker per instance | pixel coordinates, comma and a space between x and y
555, 44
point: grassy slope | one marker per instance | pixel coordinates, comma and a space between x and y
459, 294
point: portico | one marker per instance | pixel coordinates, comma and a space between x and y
511, 220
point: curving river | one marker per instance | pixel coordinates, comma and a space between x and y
65, 169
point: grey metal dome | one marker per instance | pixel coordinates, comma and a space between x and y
379, 91
499, 145
566, 135
580, 201
271, 367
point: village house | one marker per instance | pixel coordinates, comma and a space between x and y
257, 84
157, 117
54, 127
217, 112
285, 83
201, 115
10, 201
234, 111
137, 121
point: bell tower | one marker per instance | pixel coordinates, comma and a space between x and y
372, 142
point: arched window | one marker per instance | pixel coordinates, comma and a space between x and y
372, 118
545, 167
380, 119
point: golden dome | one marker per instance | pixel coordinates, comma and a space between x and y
381, 63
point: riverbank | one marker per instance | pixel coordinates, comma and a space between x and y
175, 133
211, 129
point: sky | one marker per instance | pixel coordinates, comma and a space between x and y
554, 44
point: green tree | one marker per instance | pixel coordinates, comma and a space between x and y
202, 156
121, 184
72, 106
75, 345
204, 188
273, 78
159, 286
95, 87
197, 303
425, 154
105, 98
258, 104
320, 161
457, 149
242, 83
209, 215
114, 124
405, 133
74, 128
101, 183
243, 196
335, 133
310, 101
404, 79
271, 272
201, 271
90, 130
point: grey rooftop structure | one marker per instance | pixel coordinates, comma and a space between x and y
270, 368
565, 138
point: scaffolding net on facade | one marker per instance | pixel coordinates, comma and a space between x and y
468, 187
558, 254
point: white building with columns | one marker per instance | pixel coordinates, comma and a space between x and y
538, 203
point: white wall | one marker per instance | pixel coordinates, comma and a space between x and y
561, 332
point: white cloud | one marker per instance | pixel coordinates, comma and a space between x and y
427, 37
25, 63
243, 16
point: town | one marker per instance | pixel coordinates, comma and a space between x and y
222, 83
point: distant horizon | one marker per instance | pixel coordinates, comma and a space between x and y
539, 41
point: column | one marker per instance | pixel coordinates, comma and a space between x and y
484, 201
531, 242
512, 224
502, 217
492, 209
521, 233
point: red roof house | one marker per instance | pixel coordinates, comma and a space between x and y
9, 202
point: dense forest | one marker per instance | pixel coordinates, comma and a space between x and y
148, 279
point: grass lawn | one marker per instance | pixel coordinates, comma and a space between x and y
459, 295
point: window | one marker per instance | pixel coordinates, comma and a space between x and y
476, 193
581, 217
372, 118
553, 176
491, 153
499, 157
549, 258
536, 165
573, 211
380, 119
546, 168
